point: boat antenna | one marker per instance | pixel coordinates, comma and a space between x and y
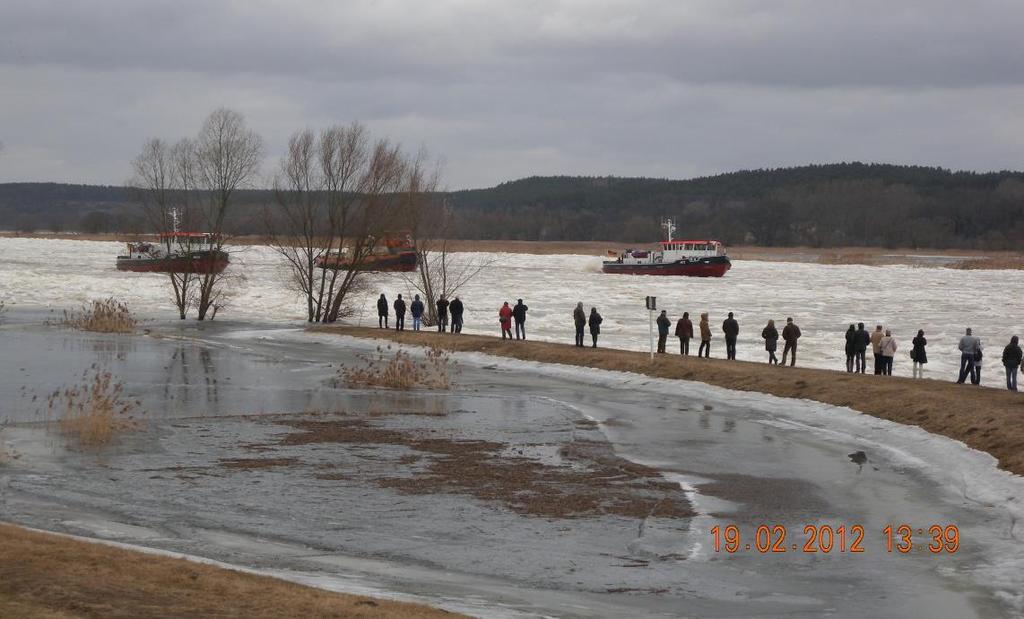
670, 226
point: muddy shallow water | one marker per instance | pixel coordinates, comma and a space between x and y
524, 490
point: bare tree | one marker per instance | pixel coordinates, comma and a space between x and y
315, 195
432, 223
225, 157
335, 196
160, 177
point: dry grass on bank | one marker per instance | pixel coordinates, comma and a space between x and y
998, 262
989, 420
95, 412
52, 577
102, 316
398, 370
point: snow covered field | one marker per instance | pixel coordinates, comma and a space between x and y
823, 299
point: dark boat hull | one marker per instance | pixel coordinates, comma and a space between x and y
405, 261
197, 262
715, 266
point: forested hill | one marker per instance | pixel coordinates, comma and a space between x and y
821, 205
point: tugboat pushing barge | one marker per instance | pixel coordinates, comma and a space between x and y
396, 253
691, 258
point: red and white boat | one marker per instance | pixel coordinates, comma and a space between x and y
692, 258
175, 252
397, 254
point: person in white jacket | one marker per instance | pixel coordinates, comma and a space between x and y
887, 345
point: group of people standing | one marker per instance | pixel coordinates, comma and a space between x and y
582, 321
444, 308
453, 310
516, 314
857, 340
731, 329
883, 346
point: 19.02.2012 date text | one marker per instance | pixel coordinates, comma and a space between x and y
825, 538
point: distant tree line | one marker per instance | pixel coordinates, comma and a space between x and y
849, 204
821, 206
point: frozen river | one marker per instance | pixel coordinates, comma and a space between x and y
251, 455
823, 299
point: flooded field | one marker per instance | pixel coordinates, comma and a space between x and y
823, 299
524, 490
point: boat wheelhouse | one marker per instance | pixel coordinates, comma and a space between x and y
692, 258
175, 252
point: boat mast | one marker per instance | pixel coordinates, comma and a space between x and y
669, 226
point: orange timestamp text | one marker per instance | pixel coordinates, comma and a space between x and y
827, 538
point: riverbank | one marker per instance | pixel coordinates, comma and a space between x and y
872, 256
38, 579
988, 420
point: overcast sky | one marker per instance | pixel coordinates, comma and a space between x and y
501, 90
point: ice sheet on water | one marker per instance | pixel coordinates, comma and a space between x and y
968, 475
823, 299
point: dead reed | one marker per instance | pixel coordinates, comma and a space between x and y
95, 412
102, 316
399, 370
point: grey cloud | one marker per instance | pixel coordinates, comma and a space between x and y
805, 43
505, 89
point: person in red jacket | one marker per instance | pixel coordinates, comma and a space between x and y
505, 318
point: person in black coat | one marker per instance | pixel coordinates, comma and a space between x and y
851, 347
664, 323
455, 308
770, 335
731, 328
382, 312
579, 318
860, 348
399, 314
519, 317
790, 335
417, 312
1011, 361
918, 354
594, 321
442, 314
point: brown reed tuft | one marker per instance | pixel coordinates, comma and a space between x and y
95, 412
399, 370
102, 316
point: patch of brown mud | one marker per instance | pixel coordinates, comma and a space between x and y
590, 481
333, 476
250, 464
439, 412
635, 590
